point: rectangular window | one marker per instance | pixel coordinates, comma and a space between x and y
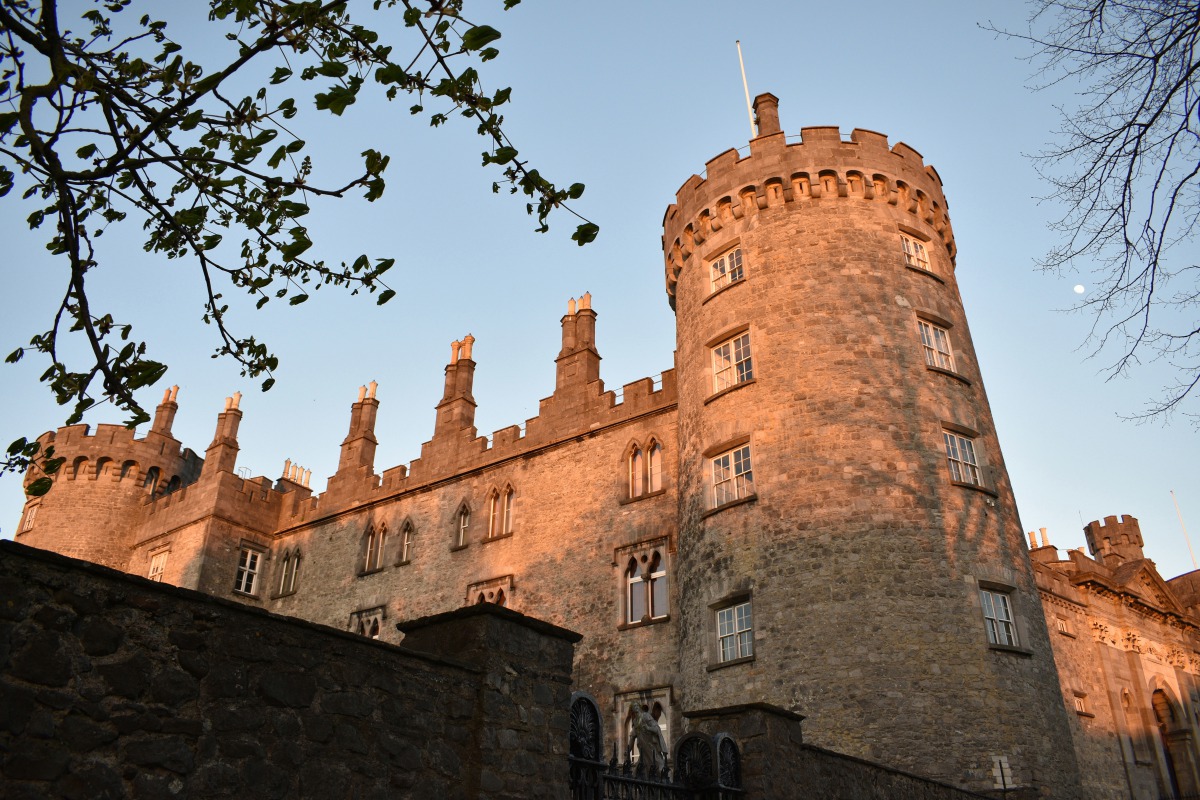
735, 632
30, 516
960, 454
1081, 703
936, 342
731, 362
732, 476
914, 253
998, 617
727, 269
247, 571
158, 565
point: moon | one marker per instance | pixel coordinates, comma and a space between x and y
1079, 288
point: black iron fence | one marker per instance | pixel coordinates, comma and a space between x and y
705, 767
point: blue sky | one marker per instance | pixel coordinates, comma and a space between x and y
631, 98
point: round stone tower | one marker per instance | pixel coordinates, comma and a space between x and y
101, 489
849, 546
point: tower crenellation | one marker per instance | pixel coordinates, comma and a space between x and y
1115, 540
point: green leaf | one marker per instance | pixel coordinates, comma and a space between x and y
333, 69
17, 446
385, 296
6, 181
336, 100
298, 299
15, 356
576, 191
8, 120
479, 37
39, 487
277, 157
585, 233
267, 384
280, 75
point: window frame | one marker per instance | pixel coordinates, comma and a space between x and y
408, 534
994, 625
936, 345
500, 513
158, 558
727, 367
722, 276
916, 255
740, 636
288, 573
249, 569
497, 590
368, 622
462, 527
30, 516
959, 448
742, 482
374, 545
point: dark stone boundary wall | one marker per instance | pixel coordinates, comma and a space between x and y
776, 763
113, 686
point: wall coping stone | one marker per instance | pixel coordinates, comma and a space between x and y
491, 609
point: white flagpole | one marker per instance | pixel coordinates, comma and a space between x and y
746, 89
1186, 538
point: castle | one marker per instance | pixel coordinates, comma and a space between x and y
809, 509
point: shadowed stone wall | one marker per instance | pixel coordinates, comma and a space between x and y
113, 686
777, 763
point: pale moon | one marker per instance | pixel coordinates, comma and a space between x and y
1079, 288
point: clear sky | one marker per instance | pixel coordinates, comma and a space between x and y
631, 98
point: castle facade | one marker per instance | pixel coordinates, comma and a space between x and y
809, 509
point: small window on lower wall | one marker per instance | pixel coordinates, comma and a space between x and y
368, 622
158, 565
496, 590
249, 565
735, 632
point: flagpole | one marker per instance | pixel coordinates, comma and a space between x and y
746, 89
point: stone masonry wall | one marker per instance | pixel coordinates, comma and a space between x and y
112, 686
777, 763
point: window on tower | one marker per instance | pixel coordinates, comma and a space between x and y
998, 617
732, 476
914, 253
735, 632
727, 269
644, 466
374, 541
732, 363
935, 340
962, 459
408, 535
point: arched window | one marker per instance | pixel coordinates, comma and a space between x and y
287, 578
462, 526
79, 466
500, 599
636, 468
102, 466
654, 467
374, 631
151, 482
658, 712
173, 484
406, 543
129, 468
509, 496
375, 540
500, 513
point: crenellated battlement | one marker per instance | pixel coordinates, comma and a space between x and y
821, 167
1116, 539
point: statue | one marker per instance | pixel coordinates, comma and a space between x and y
652, 748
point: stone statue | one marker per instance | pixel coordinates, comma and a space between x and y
652, 748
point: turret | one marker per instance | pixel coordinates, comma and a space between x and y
1115, 541
164, 415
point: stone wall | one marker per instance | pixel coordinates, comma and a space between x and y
777, 763
113, 686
